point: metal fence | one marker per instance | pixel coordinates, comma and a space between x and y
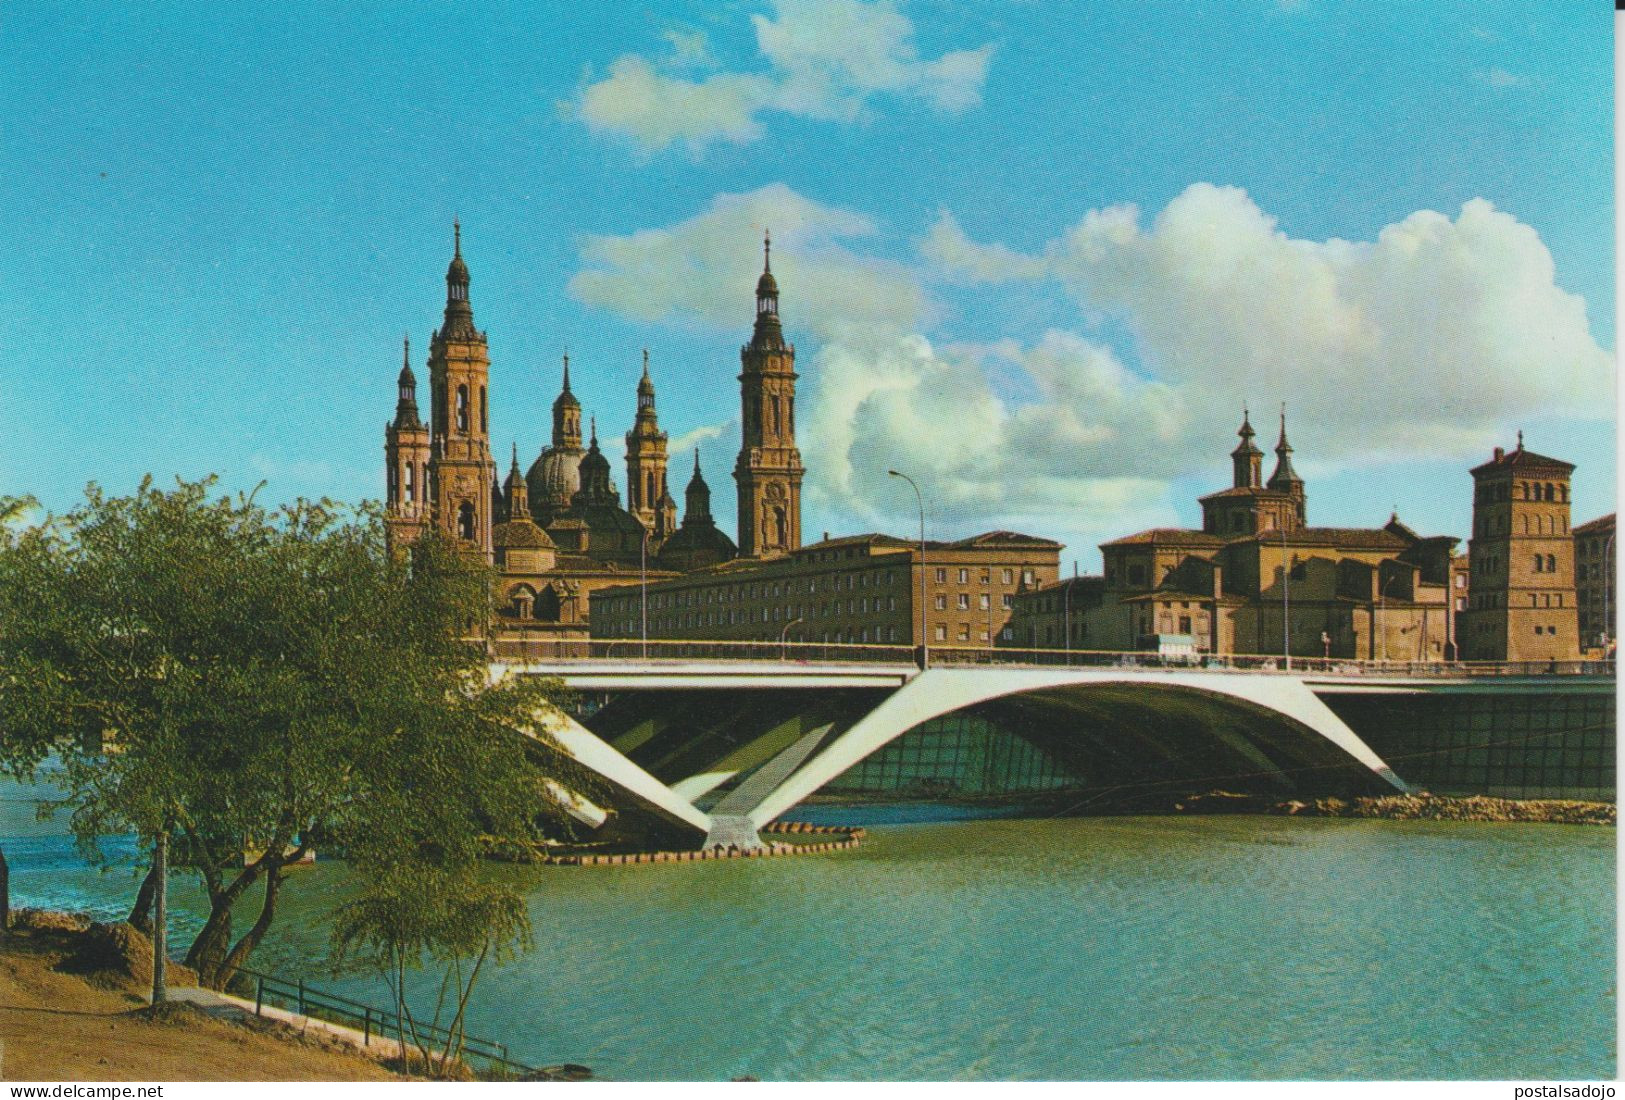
663, 651
375, 1024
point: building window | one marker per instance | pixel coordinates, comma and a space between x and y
964, 576
942, 602
942, 576
1027, 577
1008, 602
941, 632
964, 601
1008, 576
985, 601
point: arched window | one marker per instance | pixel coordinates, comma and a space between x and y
521, 601
1551, 563
649, 498
547, 605
790, 413
777, 425
462, 408
411, 488
1540, 566
483, 428
1526, 525
465, 521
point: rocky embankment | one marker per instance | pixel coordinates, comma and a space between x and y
1408, 807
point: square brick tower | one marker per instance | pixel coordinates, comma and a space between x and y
1521, 555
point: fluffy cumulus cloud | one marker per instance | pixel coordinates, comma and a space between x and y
1418, 343
1426, 342
822, 59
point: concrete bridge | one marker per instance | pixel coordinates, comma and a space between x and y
779, 722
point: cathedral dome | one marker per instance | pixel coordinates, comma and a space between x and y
554, 477
696, 546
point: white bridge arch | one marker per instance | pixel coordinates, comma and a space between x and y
783, 761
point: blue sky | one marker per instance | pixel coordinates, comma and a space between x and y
1038, 254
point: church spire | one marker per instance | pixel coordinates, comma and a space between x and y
566, 415
406, 406
697, 497
1285, 479
516, 492
768, 334
1247, 459
459, 322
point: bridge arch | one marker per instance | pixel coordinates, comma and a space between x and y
1292, 721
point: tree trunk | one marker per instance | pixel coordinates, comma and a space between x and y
160, 918
141, 913
251, 939
5, 896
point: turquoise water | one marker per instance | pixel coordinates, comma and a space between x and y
1108, 948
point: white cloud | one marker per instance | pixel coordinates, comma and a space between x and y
704, 269
1426, 343
825, 59
696, 436
1420, 343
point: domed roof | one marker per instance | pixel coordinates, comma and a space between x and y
521, 534
555, 475
695, 546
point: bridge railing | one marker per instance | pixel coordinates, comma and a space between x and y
656, 651
548, 651
1247, 662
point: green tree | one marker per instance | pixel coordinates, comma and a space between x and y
266, 682
24, 745
413, 915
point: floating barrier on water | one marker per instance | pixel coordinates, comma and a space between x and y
842, 837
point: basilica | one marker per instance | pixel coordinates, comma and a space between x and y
559, 530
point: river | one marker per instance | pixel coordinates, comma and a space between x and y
1099, 949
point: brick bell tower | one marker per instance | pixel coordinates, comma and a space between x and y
769, 469
406, 462
461, 470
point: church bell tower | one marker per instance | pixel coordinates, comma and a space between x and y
461, 470
769, 469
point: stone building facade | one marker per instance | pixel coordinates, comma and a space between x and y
1257, 579
1594, 585
862, 589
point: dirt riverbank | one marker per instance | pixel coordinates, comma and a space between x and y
72, 1007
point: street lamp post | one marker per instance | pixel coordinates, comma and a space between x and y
1066, 617
1286, 600
925, 645
1607, 594
784, 640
